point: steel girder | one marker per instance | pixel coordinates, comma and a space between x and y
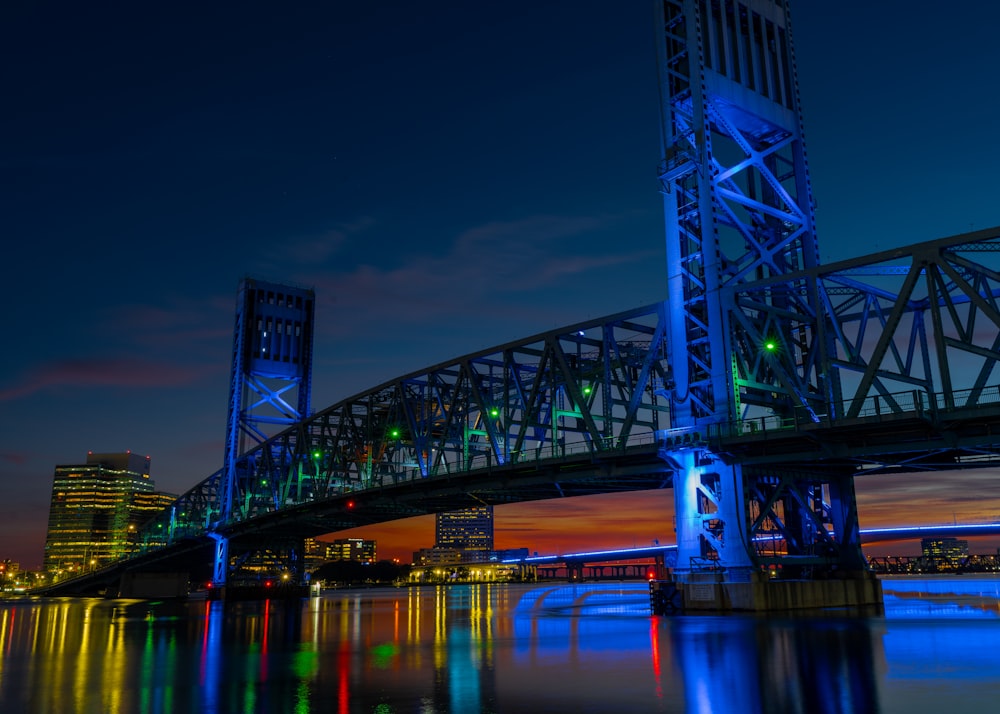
739, 209
592, 388
914, 329
736, 188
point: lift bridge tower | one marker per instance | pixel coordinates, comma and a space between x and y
270, 389
739, 209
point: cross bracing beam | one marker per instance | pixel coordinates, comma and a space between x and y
933, 329
586, 391
589, 390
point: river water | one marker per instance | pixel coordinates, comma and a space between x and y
555, 647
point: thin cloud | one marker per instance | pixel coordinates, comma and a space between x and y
315, 249
89, 373
499, 258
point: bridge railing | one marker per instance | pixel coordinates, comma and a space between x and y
878, 407
543, 452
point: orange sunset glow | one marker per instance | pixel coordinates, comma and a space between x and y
638, 518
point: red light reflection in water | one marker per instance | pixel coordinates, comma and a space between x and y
344, 671
204, 640
654, 634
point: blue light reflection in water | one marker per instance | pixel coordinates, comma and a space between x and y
495, 648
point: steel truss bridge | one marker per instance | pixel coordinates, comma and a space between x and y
758, 389
913, 333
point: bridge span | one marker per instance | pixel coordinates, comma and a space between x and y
758, 389
868, 535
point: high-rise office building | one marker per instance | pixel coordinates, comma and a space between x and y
944, 548
468, 529
96, 510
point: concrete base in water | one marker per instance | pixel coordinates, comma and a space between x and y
757, 593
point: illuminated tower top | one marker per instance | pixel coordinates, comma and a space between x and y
738, 202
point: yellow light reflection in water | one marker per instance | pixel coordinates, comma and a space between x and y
113, 661
413, 626
146, 670
440, 626
6, 637
82, 680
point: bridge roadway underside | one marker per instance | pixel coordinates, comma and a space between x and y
885, 444
946, 440
637, 468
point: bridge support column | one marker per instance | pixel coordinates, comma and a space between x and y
766, 541
709, 508
660, 567
220, 570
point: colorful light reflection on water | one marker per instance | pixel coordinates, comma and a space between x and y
497, 648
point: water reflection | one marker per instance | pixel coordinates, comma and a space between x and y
803, 665
488, 648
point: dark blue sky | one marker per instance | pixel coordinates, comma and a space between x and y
447, 176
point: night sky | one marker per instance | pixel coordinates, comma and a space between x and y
448, 176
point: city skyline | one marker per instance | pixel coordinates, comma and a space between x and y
437, 207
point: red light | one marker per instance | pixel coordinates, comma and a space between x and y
209, 585
267, 584
350, 504
651, 575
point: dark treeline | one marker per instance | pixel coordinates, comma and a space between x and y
352, 572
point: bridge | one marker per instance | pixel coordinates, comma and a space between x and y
667, 552
758, 390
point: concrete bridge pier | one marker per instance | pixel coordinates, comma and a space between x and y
574, 571
756, 592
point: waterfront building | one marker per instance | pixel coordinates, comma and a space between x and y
357, 549
468, 529
457, 556
463, 549
9, 571
96, 510
432, 565
944, 548
314, 553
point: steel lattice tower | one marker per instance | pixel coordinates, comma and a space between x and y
739, 210
272, 356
